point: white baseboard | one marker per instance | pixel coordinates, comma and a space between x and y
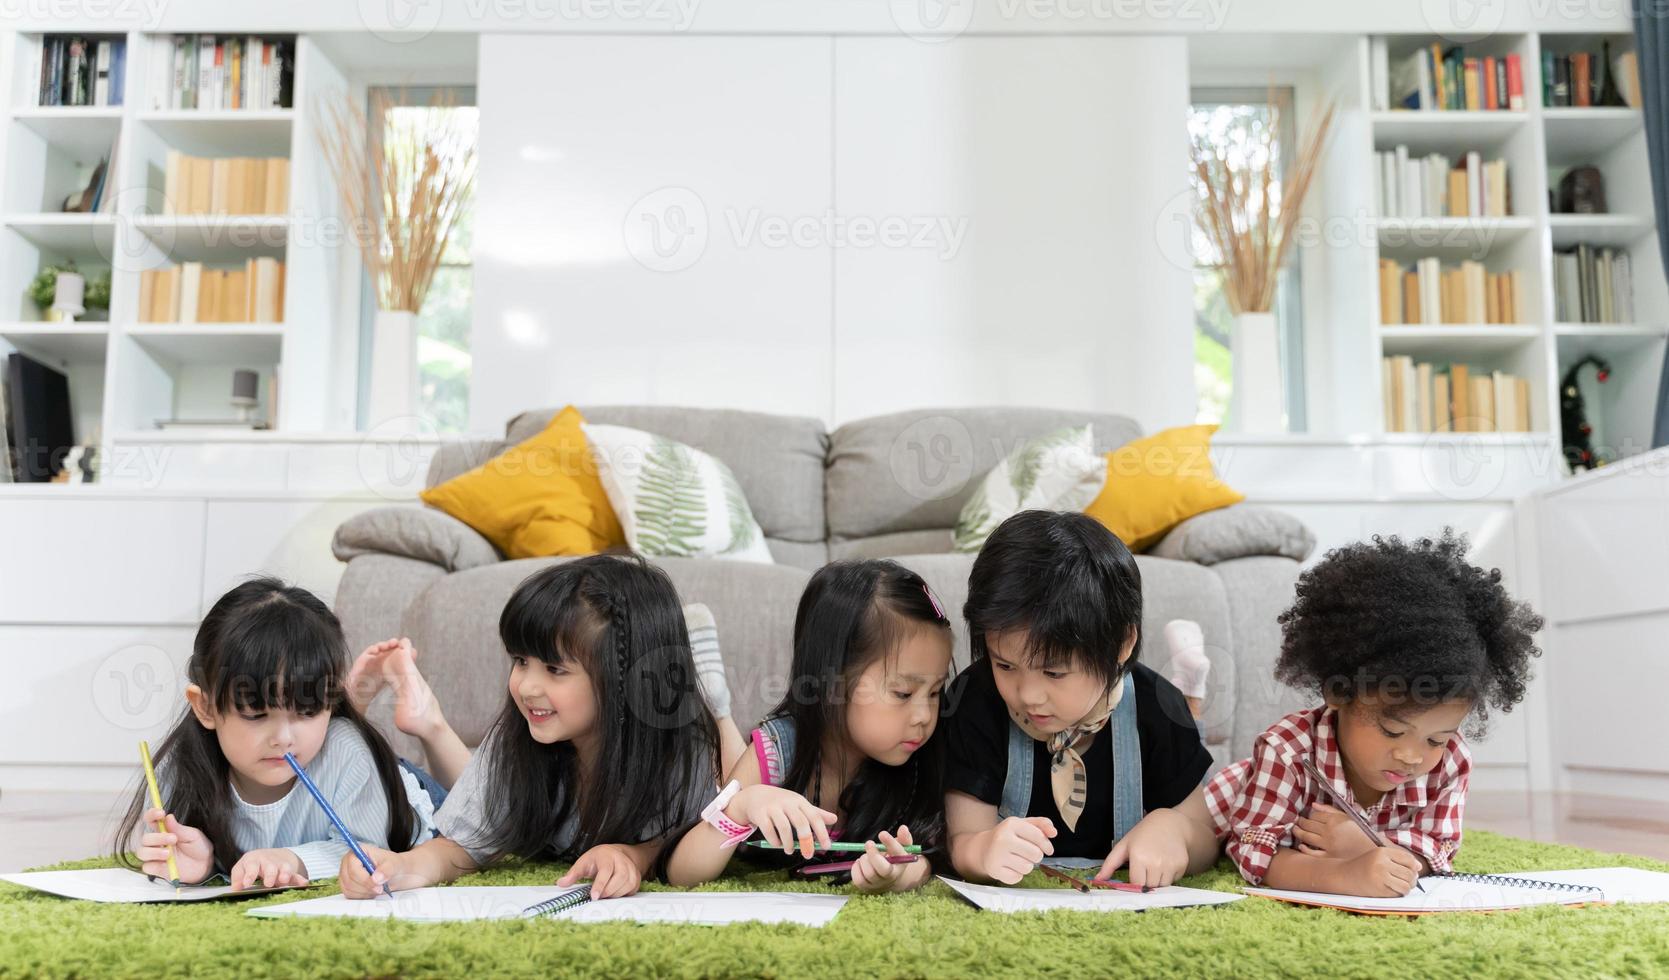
1653, 786
1500, 779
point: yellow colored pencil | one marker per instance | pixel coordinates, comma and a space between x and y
156, 801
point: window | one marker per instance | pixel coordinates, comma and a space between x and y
1238, 119
443, 326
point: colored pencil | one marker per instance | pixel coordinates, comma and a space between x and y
1361, 821
156, 801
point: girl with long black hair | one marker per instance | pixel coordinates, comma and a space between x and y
604, 747
849, 752
266, 678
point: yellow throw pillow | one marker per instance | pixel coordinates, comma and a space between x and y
538, 498
1156, 483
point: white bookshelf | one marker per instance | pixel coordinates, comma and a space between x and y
1539, 144
125, 374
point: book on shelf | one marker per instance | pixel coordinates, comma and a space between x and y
192, 293
225, 185
1435, 78
1428, 292
1424, 397
213, 72
79, 71
1590, 78
1592, 284
1434, 186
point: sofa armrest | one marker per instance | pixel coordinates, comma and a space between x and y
422, 533
1236, 531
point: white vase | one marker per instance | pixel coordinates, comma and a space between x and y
1257, 401
392, 404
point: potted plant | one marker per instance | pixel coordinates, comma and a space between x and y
44, 287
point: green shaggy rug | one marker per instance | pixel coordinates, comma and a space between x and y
929, 933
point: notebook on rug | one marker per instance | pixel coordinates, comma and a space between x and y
1496, 893
999, 898
122, 885
464, 903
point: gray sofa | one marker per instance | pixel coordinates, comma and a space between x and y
890, 486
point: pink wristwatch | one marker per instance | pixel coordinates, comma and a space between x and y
734, 832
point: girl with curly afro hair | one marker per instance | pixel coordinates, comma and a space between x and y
1407, 645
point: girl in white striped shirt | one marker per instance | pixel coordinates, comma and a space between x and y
266, 678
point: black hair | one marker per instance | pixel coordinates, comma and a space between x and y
263, 645
852, 614
1408, 621
1068, 582
619, 618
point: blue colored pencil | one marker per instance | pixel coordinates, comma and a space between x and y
341, 828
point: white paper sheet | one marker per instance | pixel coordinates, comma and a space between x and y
464, 903
121, 885
998, 898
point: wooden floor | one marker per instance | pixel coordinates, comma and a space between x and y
41, 828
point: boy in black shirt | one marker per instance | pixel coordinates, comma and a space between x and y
1058, 743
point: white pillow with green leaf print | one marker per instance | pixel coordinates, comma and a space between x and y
674, 500
1058, 471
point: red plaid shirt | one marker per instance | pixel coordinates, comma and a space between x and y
1255, 802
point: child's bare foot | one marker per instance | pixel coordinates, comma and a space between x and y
366, 677
416, 711
393, 664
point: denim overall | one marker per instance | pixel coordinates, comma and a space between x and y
1127, 767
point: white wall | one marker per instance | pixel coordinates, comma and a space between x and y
833, 227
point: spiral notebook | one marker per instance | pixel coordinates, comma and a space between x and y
1497, 893
466, 903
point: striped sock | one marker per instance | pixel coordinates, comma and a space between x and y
709, 664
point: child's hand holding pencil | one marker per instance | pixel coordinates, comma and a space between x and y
192, 853
357, 882
874, 872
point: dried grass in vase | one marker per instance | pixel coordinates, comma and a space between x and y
404, 182
1246, 216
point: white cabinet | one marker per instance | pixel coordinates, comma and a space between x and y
93, 560
101, 591
79, 698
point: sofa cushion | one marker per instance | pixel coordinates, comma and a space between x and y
674, 500
422, 533
543, 496
777, 459
1154, 484
912, 471
1170, 590
929, 542
809, 555
1058, 470
752, 604
1239, 531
